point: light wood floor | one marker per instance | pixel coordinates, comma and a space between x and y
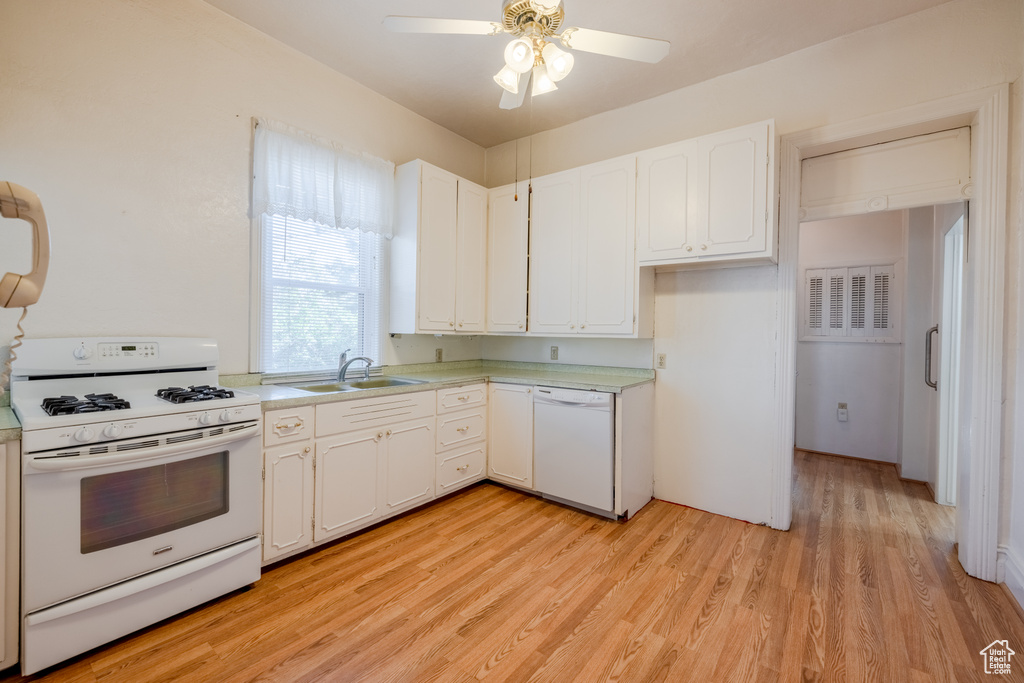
495, 585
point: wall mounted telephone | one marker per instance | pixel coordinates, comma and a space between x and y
16, 290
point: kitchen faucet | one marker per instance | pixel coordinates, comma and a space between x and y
344, 361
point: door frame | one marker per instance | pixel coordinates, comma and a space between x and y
986, 112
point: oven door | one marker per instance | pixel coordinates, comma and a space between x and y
90, 521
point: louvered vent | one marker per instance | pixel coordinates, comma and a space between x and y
835, 302
815, 292
882, 301
185, 437
134, 446
858, 301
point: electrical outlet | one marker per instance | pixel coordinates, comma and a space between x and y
554, 353
842, 413
438, 353
661, 361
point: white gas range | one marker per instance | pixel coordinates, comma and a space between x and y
141, 485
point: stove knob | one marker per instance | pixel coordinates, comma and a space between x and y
225, 416
82, 352
205, 419
84, 434
112, 431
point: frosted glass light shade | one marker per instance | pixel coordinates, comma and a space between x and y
507, 79
545, 6
519, 55
558, 62
542, 83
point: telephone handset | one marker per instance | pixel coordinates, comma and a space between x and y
17, 291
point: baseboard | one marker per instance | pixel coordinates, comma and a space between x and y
1010, 573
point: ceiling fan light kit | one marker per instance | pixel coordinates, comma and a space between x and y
532, 54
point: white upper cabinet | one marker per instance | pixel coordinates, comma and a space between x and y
582, 251
708, 199
438, 253
554, 257
607, 248
507, 252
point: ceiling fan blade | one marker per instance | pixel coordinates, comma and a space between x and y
431, 25
514, 101
640, 49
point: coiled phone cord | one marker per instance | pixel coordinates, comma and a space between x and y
12, 356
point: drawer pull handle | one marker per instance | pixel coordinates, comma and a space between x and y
463, 398
462, 469
165, 549
462, 429
285, 426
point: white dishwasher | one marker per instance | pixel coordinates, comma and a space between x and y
574, 447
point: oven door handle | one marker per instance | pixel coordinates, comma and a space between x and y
58, 464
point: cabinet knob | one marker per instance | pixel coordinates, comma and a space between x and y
583, 327
572, 327
689, 248
380, 435
389, 433
306, 449
520, 326
460, 324
703, 247
451, 324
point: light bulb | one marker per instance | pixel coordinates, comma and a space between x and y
519, 55
541, 82
559, 62
507, 79
545, 6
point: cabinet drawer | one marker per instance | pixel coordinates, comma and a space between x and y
460, 398
343, 416
459, 428
460, 467
287, 425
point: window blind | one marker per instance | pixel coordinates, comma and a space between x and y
321, 289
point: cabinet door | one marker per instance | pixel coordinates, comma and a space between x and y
507, 243
409, 473
607, 247
348, 482
665, 212
734, 203
510, 446
436, 277
471, 255
554, 218
287, 498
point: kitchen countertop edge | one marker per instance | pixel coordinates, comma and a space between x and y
10, 428
274, 397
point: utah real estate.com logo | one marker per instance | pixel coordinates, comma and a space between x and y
997, 657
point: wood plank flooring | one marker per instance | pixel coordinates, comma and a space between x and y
494, 585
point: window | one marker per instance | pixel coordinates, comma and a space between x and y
324, 217
852, 304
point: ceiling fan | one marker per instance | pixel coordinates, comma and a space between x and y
532, 55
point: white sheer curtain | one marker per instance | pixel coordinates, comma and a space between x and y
298, 175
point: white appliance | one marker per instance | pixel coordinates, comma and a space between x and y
141, 486
574, 447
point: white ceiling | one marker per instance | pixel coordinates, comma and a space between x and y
447, 78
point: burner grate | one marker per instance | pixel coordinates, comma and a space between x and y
92, 403
193, 394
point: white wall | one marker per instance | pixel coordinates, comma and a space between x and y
131, 120
1012, 519
956, 47
864, 375
627, 353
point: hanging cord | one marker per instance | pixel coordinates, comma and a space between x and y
12, 356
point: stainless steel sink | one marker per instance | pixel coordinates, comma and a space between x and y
372, 383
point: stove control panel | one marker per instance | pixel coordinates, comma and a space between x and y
146, 350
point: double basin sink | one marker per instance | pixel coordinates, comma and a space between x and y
357, 385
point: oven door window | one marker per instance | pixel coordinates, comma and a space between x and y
123, 507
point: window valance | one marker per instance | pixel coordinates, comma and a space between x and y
298, 175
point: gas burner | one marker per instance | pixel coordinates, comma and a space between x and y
193, 394
92, 403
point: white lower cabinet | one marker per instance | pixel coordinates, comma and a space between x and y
348, 482
10, 544
371, 458
510, 407
460, 467
461, 439
409, 463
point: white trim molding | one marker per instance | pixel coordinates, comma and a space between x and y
1011, 572
986, 111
